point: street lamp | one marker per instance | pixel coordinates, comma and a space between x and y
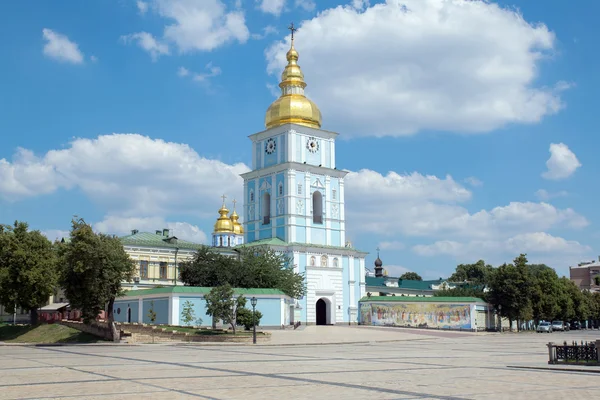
253, 302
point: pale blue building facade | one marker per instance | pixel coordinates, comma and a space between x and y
294, 202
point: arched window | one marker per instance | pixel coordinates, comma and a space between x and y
280, 189
252, 196
312, 261
317, 200
266, 208
323, 261
335, 263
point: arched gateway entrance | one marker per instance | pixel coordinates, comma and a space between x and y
322, 312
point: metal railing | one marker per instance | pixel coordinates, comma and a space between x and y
574, 353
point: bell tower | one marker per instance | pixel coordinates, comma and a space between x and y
294, 203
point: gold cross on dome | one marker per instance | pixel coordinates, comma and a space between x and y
292, 29
223, 197
234, 203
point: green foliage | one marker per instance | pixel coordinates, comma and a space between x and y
244, 318
28, 273
93, 267
256, 267
411, 276
511, 288
476, 274
152, 313
221, 304
461, 291
188, 315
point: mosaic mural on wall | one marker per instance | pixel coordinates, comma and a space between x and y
430, 315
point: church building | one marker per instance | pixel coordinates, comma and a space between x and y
294, 202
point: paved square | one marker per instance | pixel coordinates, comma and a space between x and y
364, 362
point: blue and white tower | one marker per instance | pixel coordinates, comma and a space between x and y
294, 202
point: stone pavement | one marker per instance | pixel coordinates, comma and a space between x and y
378, 363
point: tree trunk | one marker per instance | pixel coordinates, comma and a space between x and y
214, 322
110, 319
33, 316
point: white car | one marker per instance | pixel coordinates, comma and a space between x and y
544, 327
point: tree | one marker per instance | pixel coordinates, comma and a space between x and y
475, 274
255, 267
545, 294
244, 318
93, 268
27, 269
188, 315
411, 276
221, 304
511, 288
152, 317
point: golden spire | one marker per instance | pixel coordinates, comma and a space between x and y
223, 223
293, 107
238, 229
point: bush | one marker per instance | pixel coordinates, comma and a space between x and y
244, 318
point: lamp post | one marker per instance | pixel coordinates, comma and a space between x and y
253, 302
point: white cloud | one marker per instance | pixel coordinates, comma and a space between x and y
204, 77
447, 65
417, 205
212, 72
271, 6
59, 47
182, 71
142, 7
473, 181
128, 174
124, 226
391, 245
55, 234
147, 42
267, 30
562, 162
544, 195
395, 270
534, 244
201, 24
307, 5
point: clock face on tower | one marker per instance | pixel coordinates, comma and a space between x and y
270, 146
312, 145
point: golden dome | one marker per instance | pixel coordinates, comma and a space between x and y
293, 107
238, 229
224, 223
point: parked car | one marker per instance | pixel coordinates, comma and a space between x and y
558, 326
575, 325
567, 326
544, 327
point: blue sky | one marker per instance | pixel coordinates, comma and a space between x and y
468, 126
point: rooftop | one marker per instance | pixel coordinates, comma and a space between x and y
403, 283
158, 239
278, 242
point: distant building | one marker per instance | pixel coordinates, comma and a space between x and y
586, 275
380, 284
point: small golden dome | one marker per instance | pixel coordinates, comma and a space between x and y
293, 107
238, 229
224, 223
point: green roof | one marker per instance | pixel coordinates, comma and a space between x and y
411, 299
149, 239
402, 283
278, 242
198, 290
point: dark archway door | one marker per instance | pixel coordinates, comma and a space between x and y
129, 315
321, 312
